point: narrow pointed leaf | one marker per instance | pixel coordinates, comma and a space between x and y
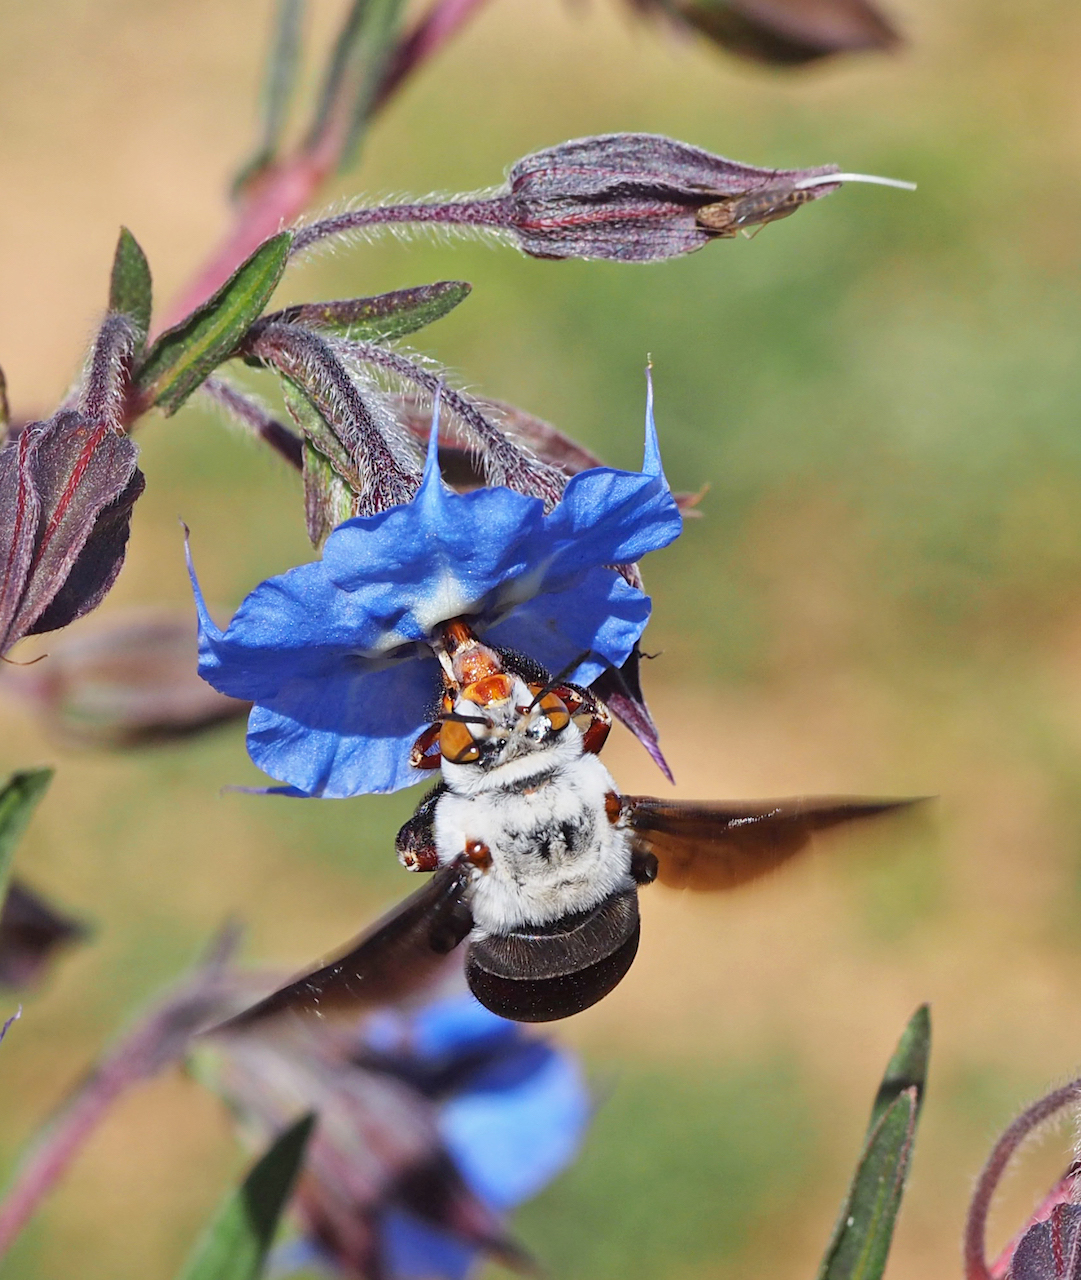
328, 500
859, 1246
280, 80
18, 799
237, 1241
862, 1244
907, 1068
130, 290
389, 315
5, 412
184, 356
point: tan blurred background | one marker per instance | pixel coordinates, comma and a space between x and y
883, 596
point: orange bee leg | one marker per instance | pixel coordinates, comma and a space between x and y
422, 756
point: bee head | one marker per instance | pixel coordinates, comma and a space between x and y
499, 718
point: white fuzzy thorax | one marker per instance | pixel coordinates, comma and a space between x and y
541, 815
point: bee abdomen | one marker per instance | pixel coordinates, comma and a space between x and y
554, 970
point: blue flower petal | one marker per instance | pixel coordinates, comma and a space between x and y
414, 1250
610, 517
509, 1142
601, 616
334, 653
345, 733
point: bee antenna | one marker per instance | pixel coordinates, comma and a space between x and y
459, 718
557, 680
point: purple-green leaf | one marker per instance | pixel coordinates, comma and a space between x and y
384, 317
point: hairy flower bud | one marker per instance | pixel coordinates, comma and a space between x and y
67, 487
641, 197
633, 197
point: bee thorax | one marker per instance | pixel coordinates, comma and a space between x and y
550, 850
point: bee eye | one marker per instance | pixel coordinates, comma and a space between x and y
456, 743
557, 713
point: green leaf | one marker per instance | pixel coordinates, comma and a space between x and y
129, 285
5, 412
278, 86
186, 355
387, 316
236, 1243
860, 1244
331, 479
908, 1066
18, 799
359, 58
328, 499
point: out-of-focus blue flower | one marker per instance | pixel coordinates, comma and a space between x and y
511, 1111
335, 654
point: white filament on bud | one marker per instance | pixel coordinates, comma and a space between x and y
824, 179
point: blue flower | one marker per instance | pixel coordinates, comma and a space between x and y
335, 654
511, 1112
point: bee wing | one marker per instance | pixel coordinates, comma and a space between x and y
389, 961
715, 846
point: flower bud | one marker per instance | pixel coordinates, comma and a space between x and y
131, 682
32, 930
781, 32
642, 197
67, 487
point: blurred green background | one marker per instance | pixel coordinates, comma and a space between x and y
883, 596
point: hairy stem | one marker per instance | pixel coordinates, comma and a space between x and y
503, 461
976, 1267
309, 361
159, 1039
492, 211
251, 414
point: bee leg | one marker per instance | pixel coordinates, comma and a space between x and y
643, 867
415, 842
450, 927
425, 753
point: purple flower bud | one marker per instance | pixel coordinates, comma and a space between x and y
32, 930
1050, 1250
131, 682
67, 486
781, 32
641, 197
633, 197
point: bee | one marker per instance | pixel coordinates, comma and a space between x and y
536, 857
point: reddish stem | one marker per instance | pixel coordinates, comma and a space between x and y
158, 1039
279, 197
281, 194
439, 25
976, 1267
